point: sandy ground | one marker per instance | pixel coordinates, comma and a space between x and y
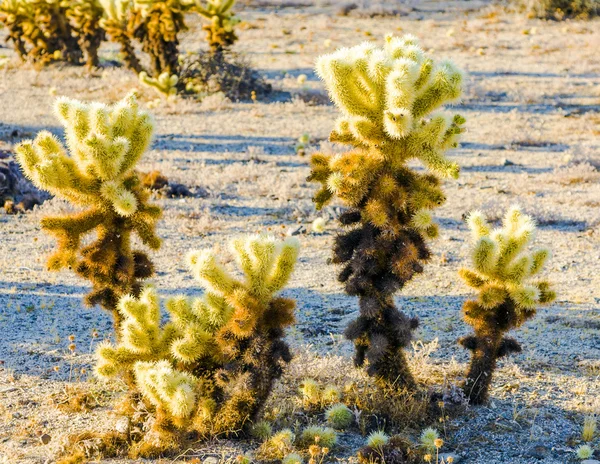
532, 100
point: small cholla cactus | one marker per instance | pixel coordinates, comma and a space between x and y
85, 16
211, 367
339, 416
156, 24
220, 33
114, 22
105, 143
390, 99
40, 30
164, 84
503, 273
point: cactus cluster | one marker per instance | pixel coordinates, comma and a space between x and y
390, 99
220, 33
503, 273
40, 30
211, 367
84, 17
97, 173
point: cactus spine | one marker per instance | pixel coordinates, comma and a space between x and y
502, 273
105, 143
390, 99
212, 366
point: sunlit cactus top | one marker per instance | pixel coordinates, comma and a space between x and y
105, 143
502, 266
389, 97
115, 10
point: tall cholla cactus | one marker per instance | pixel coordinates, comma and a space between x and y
105, 143
220, 33
114, 22
85, 16
389, 98
156, 23
503, 273
40, 30
212, 366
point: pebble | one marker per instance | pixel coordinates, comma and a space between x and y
45, 438
590, 461
122, 425
296, 230
538, 451
507, 162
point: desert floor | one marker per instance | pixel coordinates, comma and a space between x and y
532, 100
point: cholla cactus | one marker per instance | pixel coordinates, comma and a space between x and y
390, 99
164, 84
114, 22
40, 30
220, 33
105, 144
156, 23
84, 17
211, 367
503, 272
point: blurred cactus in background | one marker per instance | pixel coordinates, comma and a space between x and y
220, 33
502, 273
40, 30
84, 17
211, 367
390, 99
97, 173
114, 21
156, 24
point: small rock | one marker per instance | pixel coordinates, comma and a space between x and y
507, 162
16, 415
538, 451
122, 425
211, 460
296, 230
45, 438
454, 457
590, 461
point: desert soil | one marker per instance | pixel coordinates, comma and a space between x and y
532, 99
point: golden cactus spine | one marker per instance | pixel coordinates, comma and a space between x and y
504, 273
97, 174
390, 99
211, 367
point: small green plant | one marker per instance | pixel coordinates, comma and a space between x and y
114, 22
105, 144
339, 416
377, 439
390, 99
292, 458
278, 446
428, 438
503, 273
164, 84
220, 32
210, 369
584, 452
261, 430
325, 437
589, 428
